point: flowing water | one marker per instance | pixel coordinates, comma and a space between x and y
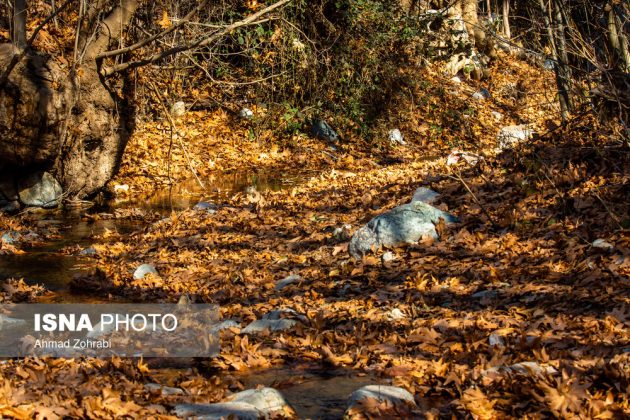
313, 392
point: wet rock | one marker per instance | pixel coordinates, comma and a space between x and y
178, 109
268, 401
165, 391
143, 270
396, 137
259, 403
425, 195
512, 135
288, 280
206, 206
322, 130
224, 325
401, 225
40, 190
12, 237
602, 244
392, 395
246, 114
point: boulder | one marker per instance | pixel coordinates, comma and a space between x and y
143, 270
391, 395
512, 135
40, 189
322, 130
401, 225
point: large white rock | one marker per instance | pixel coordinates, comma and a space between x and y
512, 135
405, 224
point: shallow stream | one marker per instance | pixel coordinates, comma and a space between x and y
313, 392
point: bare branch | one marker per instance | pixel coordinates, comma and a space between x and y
146, 41
109, 71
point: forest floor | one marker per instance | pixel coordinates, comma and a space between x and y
514, 312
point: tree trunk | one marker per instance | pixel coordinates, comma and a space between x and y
506, 19
65, 119
18, 37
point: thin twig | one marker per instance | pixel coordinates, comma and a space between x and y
250, 20
459, 178
174, 129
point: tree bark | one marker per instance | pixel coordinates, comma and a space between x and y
65, 119
18, 37
506, 19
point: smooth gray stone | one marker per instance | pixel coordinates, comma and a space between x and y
404, 224
40, 190
143, 270
267, 400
